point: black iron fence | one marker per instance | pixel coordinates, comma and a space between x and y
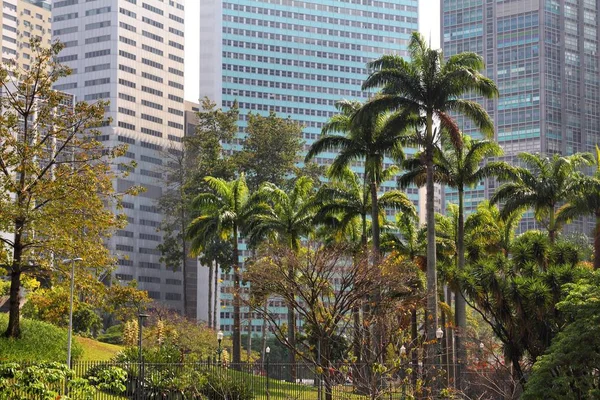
213, 381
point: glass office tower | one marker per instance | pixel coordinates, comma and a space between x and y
296, 58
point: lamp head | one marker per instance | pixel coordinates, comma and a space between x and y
68, 260
219, 336
268, 350
439, 333
481, 345
402, 350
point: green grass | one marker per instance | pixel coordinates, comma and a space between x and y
94, 350
39, 341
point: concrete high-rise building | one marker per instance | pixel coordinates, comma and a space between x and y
21, 21
131, 53
296, 58
543, 55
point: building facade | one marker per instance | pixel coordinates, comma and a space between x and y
131, 53
296, 58
21, 21
543, 55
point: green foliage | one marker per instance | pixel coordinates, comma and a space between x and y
570, 367
40, 341
107, 378
112, 335
220, 386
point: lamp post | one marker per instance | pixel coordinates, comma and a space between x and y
70, 331
219, 340
141, 318
267, 352
439, 334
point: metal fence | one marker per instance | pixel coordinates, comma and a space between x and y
213, 381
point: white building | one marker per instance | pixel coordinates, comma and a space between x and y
130, 52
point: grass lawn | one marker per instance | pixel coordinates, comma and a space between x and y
97, 351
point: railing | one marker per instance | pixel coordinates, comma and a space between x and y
212, 381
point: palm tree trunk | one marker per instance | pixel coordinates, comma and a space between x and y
414, 336
597, 242
431, 323
291, 334
184, 277
460, 304
378, 331
237, 301
210, 293
552, 226
216, 295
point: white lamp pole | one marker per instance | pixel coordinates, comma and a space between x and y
70, 331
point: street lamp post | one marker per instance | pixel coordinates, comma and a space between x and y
439, 334
70, 331
219, 340
141, 318
267, 352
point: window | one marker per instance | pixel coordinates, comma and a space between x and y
125, 125
97, 25
153, 147
152, 36
176, 111
94, 82
176, 85
147, 236
124, 277
64, 31
151, 132
176, 31
176, 18
63, 59
64, 3
176, 98
173, 296
127, 54
62, 17
175, 139
96, 96
151, 91
127, 69
153, 9
96, 11
156, 161
98, 53
125, 139
175, 71
122, 247
175, 125
175, 58
127, 26
173, 281
130, 42
126, 111
124, 233
127, 12
152, 50
152, 77
97, 39
152, 22
148, 279
145, 250
152, 209
127, 83
152, 63
127, 263
176, 45
152, 294
127, 97
151, 104
66, 86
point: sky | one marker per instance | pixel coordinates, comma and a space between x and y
429, 26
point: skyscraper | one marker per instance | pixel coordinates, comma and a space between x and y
543, 55
131, 53
296, 58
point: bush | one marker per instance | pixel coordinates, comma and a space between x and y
221, 386
112, 335
40, 341
107, 378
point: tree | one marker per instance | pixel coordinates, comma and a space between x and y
459, 167
542, 184
224, 212
584, 199
289, 219
55, 176
569, 369
200, 155
269, 150
429, 88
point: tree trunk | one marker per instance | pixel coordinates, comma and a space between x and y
460, 312
249, 342
431, 322
378, 329
184, 271
552, 226
215, 297
597, 243
263, 351
291, 335
375, 220
210, 293
14, 312
414, 335
237, 301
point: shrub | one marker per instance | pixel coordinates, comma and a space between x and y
40, 341
221, 386
107, 378
112, 335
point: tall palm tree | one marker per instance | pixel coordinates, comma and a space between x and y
459, 167
360, 140
429, 88
541, 184
224, 211
585, 200
288, 220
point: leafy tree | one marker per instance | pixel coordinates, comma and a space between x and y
518, 297
542, 184
269, 150
459, 167
55, 176
224, 212
584, 199
569, 369
429, 88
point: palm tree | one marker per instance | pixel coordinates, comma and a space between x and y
541, 184
360, 140
429, 88
585, 200
224, 211
289, 219
459, 167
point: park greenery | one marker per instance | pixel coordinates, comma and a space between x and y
349, 258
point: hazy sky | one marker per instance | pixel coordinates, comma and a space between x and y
429, 23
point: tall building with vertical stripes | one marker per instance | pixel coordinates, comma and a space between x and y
131, 53
296, 58
543, 55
